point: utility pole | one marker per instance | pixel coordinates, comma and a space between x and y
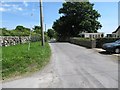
41, 22
45, 28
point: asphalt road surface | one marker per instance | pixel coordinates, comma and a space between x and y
72, 66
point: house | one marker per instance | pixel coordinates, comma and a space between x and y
91, 35
109, 35
116, 33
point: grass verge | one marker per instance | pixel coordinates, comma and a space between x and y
17, 60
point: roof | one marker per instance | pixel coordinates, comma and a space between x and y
116, 30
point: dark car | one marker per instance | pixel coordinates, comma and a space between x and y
112, 47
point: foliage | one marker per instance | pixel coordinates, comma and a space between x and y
4, 32
37, 29
85, 42
17, 59
77, 17
51, 33
20, 31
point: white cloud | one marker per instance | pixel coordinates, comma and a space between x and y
33, 9
3, 9
6, 5
25, 3
10, 7
19, 8
16, 7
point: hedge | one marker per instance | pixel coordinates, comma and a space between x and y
85, 42
91, 43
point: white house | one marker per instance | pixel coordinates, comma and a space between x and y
116, 33
92, 35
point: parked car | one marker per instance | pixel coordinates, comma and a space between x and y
112, 47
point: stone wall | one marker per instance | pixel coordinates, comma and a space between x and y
13, 40
84, 43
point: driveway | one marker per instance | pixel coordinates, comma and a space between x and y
72, 66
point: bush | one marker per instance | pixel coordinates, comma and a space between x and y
85, 42
83, 39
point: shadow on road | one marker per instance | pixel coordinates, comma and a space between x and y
106, 53
57, 42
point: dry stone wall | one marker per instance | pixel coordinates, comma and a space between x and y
13, 40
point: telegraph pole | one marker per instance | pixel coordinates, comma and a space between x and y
45, 28
41, 22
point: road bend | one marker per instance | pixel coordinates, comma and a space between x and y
72, 66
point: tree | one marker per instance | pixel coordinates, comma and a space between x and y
19, 28
37, 29
77, 17
5, 32
18, 31
51, 33
21, 31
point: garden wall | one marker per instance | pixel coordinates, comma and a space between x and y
83, 42
89, 43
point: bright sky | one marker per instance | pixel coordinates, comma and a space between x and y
27, 14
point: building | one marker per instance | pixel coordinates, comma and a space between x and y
109, 35
91, 35
116, 33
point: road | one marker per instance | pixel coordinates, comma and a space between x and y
72, 66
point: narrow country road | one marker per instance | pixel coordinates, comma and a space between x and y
72, 66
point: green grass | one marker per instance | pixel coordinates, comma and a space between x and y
17, 60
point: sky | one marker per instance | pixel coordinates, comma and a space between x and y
27, 14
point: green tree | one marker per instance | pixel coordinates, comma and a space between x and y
51, 33
20, 28
77, 17
18, 31
5, 32
37, 29
21, 31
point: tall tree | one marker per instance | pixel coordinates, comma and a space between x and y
51, 33
77, 17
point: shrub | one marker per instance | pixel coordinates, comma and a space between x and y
85, 42
83, 39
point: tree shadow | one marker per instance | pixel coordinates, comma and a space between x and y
106, 52
52, 42
58, 41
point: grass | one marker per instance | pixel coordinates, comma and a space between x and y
17, 60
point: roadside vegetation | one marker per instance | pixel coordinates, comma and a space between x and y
17, 60
20, 31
